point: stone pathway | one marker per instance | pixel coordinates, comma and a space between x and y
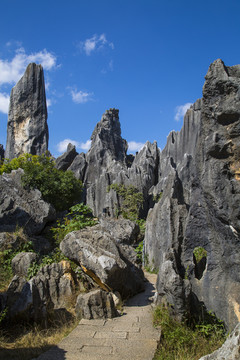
129, 337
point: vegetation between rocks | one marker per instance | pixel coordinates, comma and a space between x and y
182, 342
132, 201
60, 188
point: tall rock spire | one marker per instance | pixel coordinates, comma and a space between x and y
27, 130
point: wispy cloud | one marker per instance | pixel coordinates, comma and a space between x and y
4, 103
81, 97
181, 111
62, 145
134, 146
12, 70
95, 43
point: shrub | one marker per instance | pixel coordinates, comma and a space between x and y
132, 200
199, 253
59, 188
78, 218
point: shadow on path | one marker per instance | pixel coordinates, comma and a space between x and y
144, 298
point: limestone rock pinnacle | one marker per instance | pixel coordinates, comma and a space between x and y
27, 130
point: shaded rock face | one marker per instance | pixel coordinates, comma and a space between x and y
27, 130
64, 161
109, 263
22, 208
2, 152
199, 178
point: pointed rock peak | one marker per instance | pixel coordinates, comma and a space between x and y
217, 70
27, 130
109, 122
106, 136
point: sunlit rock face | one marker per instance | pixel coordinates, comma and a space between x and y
199, 176
27, 130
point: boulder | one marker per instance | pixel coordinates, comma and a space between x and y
22, 261
65, 160
27, 130
22, 208
97, 304
123, 231
229, 350
40, 297
96, 250
199, 207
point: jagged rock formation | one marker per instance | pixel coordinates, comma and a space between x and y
27, 130
106, 162
22, 208
47, 292
199, 208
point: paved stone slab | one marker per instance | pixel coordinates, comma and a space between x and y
130, 336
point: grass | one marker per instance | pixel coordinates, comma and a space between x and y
27, 342
180, 342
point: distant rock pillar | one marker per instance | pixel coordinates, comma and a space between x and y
27, 130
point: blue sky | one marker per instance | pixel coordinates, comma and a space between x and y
146, 58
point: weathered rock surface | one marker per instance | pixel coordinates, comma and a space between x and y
78, 166
27, 130
199, 178
22, 208
64, 161
21, 263
96, 250
45, 293
97, 304
229, 350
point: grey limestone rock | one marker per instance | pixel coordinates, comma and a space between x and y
78, 166
21, 263
22, 208
199, 208
65, 160
229, 350
27, 130
96, 249
97, 304
44, 294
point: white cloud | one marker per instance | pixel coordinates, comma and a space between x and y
134, 146
86, 145
4, 103
95, 43
81, 97
62, 146
181, 110
12, 70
